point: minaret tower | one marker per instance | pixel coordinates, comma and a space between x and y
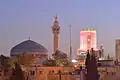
56, 31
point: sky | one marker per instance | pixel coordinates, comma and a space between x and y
20, 19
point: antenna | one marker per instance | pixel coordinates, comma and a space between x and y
70, 43
29, 37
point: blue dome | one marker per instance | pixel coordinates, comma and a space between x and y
28, 46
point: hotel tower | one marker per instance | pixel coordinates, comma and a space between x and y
88, 40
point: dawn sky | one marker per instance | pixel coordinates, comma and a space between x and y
20, 19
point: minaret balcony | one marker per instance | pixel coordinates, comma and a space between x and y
56, 28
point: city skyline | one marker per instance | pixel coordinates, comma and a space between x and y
21, 19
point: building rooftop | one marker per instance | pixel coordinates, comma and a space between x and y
28, 46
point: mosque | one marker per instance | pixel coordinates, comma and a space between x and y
35, 49
28, 48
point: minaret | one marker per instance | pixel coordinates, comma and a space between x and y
56, 30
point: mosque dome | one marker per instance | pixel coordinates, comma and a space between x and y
28, 46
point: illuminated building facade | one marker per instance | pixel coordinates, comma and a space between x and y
88, 40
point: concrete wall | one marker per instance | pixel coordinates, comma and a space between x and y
45, 70
56, 77
108, 69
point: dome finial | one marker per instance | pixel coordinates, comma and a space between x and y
56, 18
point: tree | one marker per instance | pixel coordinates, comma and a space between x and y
13, 76
92, 73
49, 62
61, 58
11, 63
4, 63
19, 72
87, 59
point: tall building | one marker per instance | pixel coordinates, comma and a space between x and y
56, 30
88, 40
117, 48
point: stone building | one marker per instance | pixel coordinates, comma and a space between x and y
117, 49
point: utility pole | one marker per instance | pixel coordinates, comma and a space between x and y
70, 43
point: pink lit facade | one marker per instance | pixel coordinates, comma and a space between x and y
88, 40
